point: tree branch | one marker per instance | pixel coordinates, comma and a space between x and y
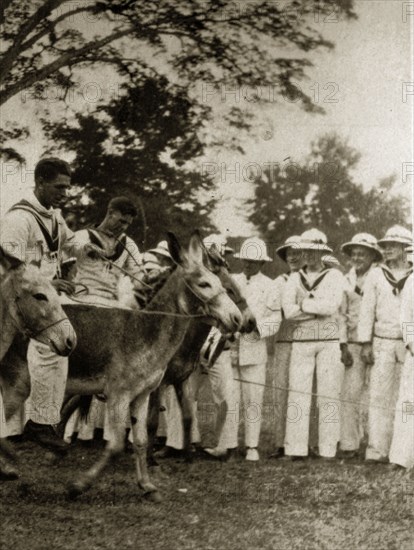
10, 55
71, 57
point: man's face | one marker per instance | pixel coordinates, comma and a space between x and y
362, 258
313, 258
53, 193
393, 252
294, 259
118, 223
251, 268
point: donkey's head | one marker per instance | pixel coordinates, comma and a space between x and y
218, 265
33, 306
202, 288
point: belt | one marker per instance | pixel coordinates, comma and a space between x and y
317, 340
387, 337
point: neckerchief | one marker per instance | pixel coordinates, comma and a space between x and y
119, 249
397, 286
308, 286
52, 239
352, 279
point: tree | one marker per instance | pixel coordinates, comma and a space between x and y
45, 40
139, 145
322, 192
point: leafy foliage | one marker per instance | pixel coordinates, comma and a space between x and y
139, 145
216, 41
321, 192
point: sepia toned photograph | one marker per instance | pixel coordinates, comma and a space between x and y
206, 275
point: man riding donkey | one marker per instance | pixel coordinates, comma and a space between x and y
105, 280
33, 230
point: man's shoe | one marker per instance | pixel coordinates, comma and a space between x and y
279, 453
7, 471
45, 435
168, 452
216, 452
292, 458
377, 461
396, 467
252, 454
348, 455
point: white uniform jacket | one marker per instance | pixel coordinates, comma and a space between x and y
100, 277
22, 237
352, 303
315, 305
380, 307
261, 297
407, 310
287, 326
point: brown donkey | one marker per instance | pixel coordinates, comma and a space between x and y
124, 354
186, 359
29, 305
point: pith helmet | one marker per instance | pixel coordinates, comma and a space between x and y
365, 240
161, 249
220, 241
291, 242
254, 250
313, 239
397, 234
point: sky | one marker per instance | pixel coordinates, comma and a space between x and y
360, 84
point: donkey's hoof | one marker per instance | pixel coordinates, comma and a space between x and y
154, 496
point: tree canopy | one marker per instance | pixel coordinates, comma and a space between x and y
321, 191
215, 41
138, 145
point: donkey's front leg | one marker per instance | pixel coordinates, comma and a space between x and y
139, 419
117, 409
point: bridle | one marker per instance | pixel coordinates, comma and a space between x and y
26, 330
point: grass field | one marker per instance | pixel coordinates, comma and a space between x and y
268, 505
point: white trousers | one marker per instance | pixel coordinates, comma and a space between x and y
402, 445
279, 378
352, 387
48, 374
383, 392
248, 398
97, 419
221, 412
325, 357
3, 426
171, 420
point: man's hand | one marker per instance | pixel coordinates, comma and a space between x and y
93, 251
64, 286
346, 356
367, 355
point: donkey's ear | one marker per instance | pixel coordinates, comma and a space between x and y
196, 248
175, 248
7, 261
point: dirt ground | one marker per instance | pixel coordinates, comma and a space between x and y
269, 505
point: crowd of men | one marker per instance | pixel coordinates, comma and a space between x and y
332, 332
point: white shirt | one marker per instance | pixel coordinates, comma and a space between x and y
260, 293
21, 237
317, 311
380, 308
